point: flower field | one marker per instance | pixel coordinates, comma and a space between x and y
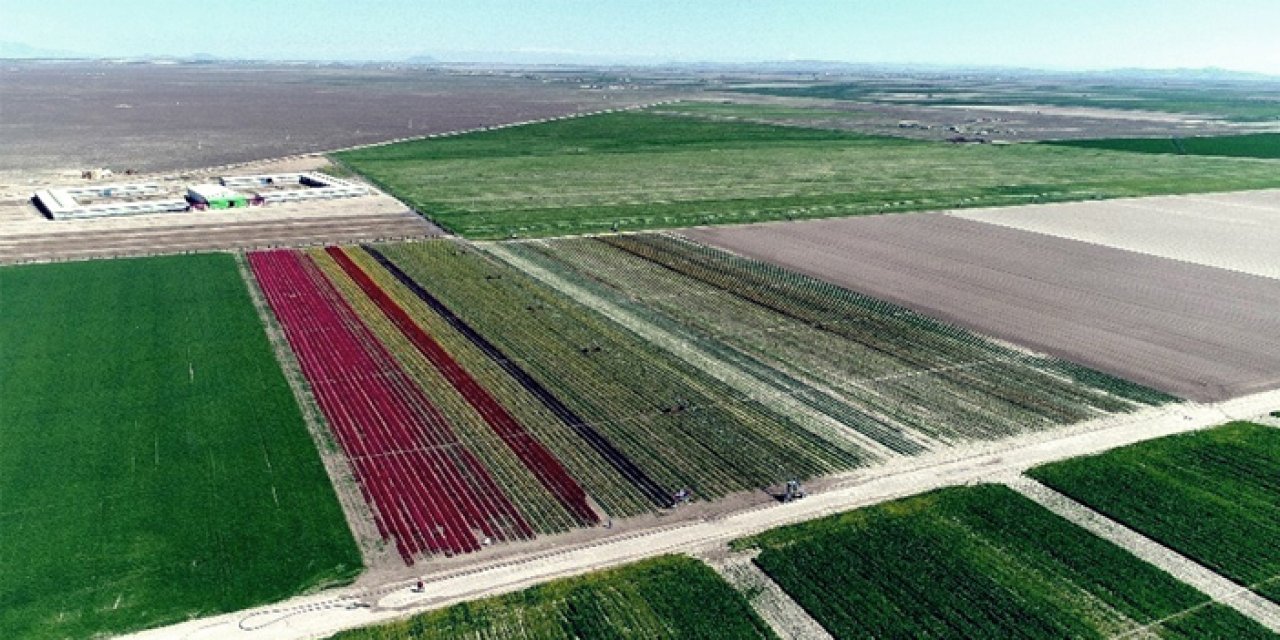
486, 393
477, 406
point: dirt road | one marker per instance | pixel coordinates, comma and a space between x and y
323, 614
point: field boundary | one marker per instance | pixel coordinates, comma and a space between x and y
373, 550
774, 605
426, 136
1220, 589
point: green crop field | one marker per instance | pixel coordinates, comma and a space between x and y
666, 597
681, 426
1258, 145
1213, 496
642, 170
154, 465
979, 562
890, 376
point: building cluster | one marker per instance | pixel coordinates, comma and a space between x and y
228, 192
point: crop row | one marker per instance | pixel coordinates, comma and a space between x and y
664, 597
681, 426
535, 457
1213, 496
899, 378
536, 502
980, 561
606, 480
428, 492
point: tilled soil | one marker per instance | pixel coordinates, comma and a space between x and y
1238, 231
1198, 332
167, 117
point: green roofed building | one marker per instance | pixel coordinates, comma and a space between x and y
216, 196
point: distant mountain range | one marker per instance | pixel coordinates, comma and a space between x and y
20, 50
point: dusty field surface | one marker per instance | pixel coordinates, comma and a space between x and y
1237, 231
164, 117
1194, 331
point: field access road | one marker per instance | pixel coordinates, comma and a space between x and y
322, 614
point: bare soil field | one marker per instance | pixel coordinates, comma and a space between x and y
1198, 332
163, 117
1237, 231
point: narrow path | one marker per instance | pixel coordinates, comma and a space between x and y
374, 551
1175, 564
787, 619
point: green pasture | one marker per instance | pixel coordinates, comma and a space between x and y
154, 465
625, 171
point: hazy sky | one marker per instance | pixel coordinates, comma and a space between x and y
1236, 34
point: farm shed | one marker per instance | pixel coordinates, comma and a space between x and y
216, 196
65, 203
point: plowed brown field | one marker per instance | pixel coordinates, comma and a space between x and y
1195, 331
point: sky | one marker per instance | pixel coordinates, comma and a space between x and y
1052, 34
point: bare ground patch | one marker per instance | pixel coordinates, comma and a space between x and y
1238, 231
1195, 331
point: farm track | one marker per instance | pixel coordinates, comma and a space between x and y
571, 419
1194, 331
322, 614
789, 620
106, 243
1222, 590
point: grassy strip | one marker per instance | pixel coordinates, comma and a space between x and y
1258, 145
643, 170
1240, 102
979, 562
1213, 496
666, 597
155, 464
